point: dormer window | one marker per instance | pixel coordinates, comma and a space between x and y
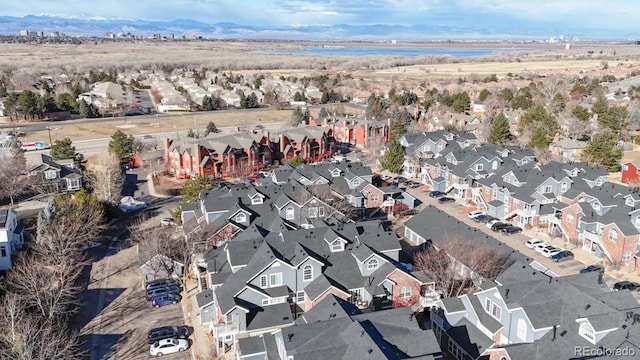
564, 186
598, 182
289, 213
587, 332
596, 206
372, 264
479, 167
356, 182
241, 217
629, 201
256, 200
337, 246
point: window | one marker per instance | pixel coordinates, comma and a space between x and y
263, 281
300, 297
521, 332
50, 174
516, 202
229, 318
596, 206
487, 190
547, 189
356, 182
289, 213
455, 350
496, 312
256, 200
337, 246
321, 212
241, 218
564, 186
586, 331
495, 164
3, 251
405, 292
374, 198
625, 167
275, 279
479, 167
626, 256
307, 273
613, 235
265, 302
487, 305
569, 218
372, 264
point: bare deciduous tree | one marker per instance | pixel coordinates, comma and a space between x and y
106, 178
14, 180
543, 156
455, 265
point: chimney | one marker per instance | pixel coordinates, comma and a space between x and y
282, 144
506, 293
238, 129
555, 329
197, 154
268, 136
166, 142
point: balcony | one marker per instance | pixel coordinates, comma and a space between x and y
461, 186
223, 329
592, 236
429, 298
527, 212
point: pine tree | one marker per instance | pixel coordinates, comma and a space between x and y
63, 149
397, 130
121, 145
323, 114
211, 129
603, 149
393, 158
539, 139
500, 133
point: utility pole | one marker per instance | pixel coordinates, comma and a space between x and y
49, 130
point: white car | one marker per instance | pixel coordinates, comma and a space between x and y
475, 213
531, 243
167, 222
542, 249
168, 346
550, 251
540, 246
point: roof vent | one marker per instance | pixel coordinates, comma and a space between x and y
587, 307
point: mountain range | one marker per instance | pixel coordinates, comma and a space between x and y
10, 25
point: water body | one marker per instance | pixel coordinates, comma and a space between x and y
390, 51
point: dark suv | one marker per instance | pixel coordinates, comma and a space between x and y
167, 332
510, 230
499, 226
160, 283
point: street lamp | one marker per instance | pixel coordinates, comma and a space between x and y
49, 130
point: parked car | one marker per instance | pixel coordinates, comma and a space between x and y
511, 229
483, 218
531, 243
399, 180
157, 291
592, 268
165, 299
550, 251
413, 184
491, 223
385, 177
499, 226
167, 221
436, 194
147, 137
168, 346
562, 256
445, 200
167, 332
543, 248
475, 213
160, 283
626, 285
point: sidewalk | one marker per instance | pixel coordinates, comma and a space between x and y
202, 347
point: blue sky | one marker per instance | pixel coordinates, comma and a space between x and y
582, 16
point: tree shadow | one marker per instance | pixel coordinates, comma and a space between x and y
91, 304
130, 184
105, 346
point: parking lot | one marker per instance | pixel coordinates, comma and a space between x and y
115, 316
517, 241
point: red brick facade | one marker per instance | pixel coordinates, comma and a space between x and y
402, 279
630, 174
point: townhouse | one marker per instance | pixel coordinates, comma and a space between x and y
261, 284
356, 131
335, 329
526, 314
241, 154
11, 237
574, 200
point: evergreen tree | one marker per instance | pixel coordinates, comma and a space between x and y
539, 139
581, 113
323, 114
484, 94
615, 118
397, 130
121, 145
393, 158
63, 149
193, 187
500, 133
192, 134
45, 215
603, 149
296, 161
600, 107
211, 129
537, 116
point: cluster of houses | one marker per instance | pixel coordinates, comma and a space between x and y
574, 200
244, 153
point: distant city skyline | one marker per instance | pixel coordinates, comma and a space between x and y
589, 17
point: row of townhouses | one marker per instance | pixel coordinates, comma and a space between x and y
275, 249
575, 200
242, 153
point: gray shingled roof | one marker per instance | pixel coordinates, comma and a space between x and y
204, 298
473, 341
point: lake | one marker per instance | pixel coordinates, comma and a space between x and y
390, 51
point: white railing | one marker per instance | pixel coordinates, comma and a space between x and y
223, 329
461, 186
592, 236
526, 212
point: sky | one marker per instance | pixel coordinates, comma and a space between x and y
582, 16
